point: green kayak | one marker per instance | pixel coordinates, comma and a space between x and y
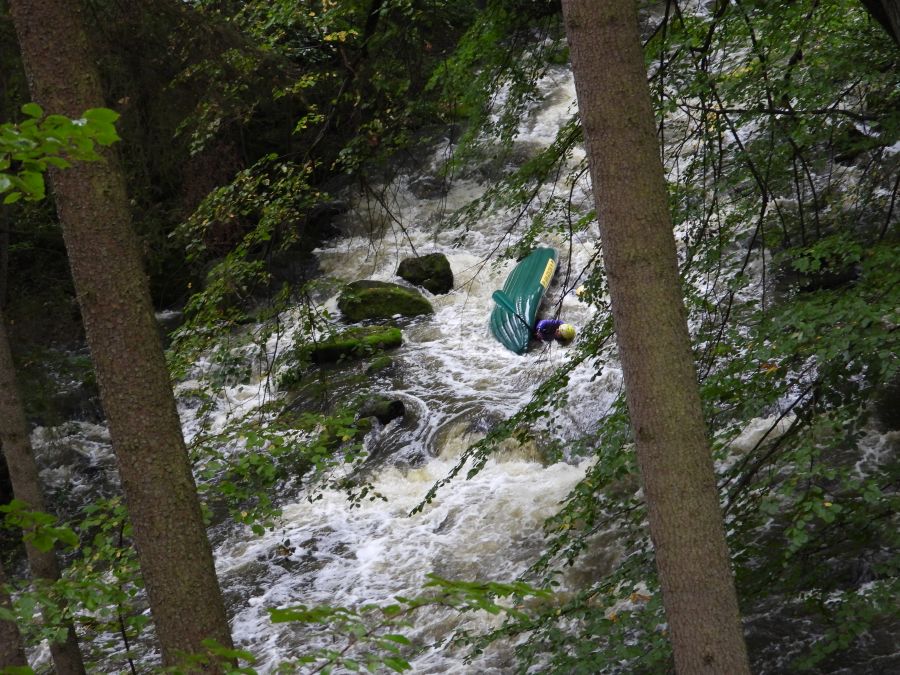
524, 288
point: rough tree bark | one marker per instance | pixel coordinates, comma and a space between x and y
23, 474
174, 552
887, 13
12, 653
654, 346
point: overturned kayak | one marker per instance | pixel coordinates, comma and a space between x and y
524, 288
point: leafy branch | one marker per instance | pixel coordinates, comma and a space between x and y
28, 149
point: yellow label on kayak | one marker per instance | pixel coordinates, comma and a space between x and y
548, 273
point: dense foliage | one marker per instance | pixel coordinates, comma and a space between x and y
779, 128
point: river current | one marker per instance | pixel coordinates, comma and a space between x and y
455, 381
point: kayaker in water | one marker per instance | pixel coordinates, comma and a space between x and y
548, 330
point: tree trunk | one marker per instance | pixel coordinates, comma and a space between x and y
4, 258
654, 346
174, 552
12, 651
887, 13
23, 474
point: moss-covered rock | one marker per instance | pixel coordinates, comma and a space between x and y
355, 343
381, 408
430, 271
368, 299
380, 364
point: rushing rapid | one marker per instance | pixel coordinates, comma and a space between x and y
455, 381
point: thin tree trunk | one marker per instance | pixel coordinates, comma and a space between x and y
174, 552
12, 651
654, 346
23, 474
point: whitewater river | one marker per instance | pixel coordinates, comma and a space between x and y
456, 382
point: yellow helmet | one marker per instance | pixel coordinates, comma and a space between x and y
566, 332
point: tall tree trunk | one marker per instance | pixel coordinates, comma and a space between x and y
4, 258
654, 346
12, 651
23, 474
174, 552
887, 13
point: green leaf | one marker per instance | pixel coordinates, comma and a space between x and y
33, 183
401, 639
397, 664
57, 162
104, 115
33, 110
66, 536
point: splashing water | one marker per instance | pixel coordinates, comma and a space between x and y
456, 380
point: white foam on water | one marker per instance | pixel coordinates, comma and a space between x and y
456, 381
486, 528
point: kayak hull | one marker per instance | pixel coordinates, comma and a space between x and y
525, 287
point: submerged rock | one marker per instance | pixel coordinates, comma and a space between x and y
428, 187
380, 364
431, 272
382, 408
369, 299
355, 343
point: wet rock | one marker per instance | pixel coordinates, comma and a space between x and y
428, 187
319, 388
291, 266
58, 387
849, 144
80, 401
499, 161
369, 299
324, 212
431, 272
382, 408
832, 275
168, 321
380, 365
355, 343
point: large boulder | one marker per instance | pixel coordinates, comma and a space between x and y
368, 299
355, 343
431, 272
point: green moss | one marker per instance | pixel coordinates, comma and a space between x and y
381, 300
379, 364
430, 271
355, 343
352, 344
